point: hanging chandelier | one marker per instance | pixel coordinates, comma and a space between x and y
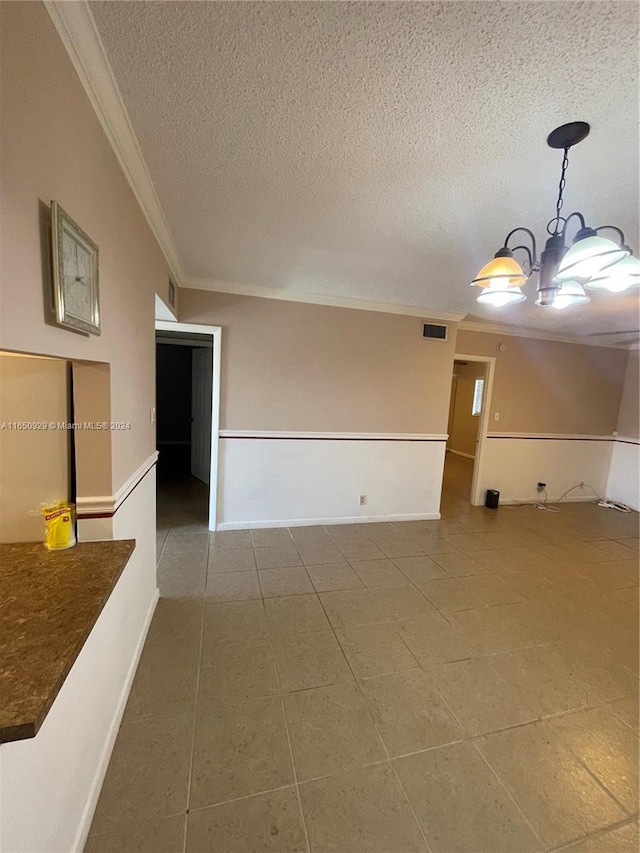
563, 273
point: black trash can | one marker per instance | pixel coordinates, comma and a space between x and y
493, 496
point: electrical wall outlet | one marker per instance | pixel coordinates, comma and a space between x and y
541, 487
496, 416
362, 499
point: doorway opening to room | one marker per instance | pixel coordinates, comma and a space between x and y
187, 421
469, 408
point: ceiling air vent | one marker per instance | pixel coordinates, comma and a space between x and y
434, 332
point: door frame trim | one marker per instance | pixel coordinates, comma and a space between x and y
483, 427
215, 333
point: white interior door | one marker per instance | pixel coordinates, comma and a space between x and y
201, 381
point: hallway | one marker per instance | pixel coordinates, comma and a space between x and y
456, 483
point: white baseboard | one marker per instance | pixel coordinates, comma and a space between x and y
96, 787
313, 522
460, 453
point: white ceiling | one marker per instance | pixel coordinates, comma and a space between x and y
379, 151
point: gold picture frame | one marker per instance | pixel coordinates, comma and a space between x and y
76, 282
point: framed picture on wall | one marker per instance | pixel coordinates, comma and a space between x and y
76, 286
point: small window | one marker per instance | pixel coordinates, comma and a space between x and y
478, 394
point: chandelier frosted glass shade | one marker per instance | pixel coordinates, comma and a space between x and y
499, 296
571, 293
586, 258
619, 277
500, 273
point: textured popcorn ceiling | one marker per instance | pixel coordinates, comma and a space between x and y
379, 151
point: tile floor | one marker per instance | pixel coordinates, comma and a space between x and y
468, 685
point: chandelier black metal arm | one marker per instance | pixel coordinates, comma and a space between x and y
533, 265
585, 231
577, 214
618, 231
533, 254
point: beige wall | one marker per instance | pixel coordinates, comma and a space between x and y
628, 416
34, 463
550, 387
53, 147
464, 425
294, 366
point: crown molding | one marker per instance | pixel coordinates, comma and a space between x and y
538, 334
78, 32
215, 286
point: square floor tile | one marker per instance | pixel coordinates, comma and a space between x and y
271, 537
507, 627
481, 700
231, 539
363, 550
182, 575
459, 564
269, 823
462, 806
231, 559
467, 542
295, 614
451, 594
334, 576
557, 795
375, 649
491, 590
161, 835
510, 558
432, 640
330, 730
380, 573
187, 543
320, 553
309, 533
280, 557
627, 711
164, 687
409, 713
166, 677
232, 586
359, 607
279, 582
420, 568
623, 839
576, 552
232, 672
355, 607
363, 810
310, 660
400, 546
148, 773
234, 622
607, 747
435, 545
242, 749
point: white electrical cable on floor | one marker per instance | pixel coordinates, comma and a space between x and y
614, 505
544, 505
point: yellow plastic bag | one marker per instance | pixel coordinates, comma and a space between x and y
60, 530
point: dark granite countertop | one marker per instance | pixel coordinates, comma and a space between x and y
49, 603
